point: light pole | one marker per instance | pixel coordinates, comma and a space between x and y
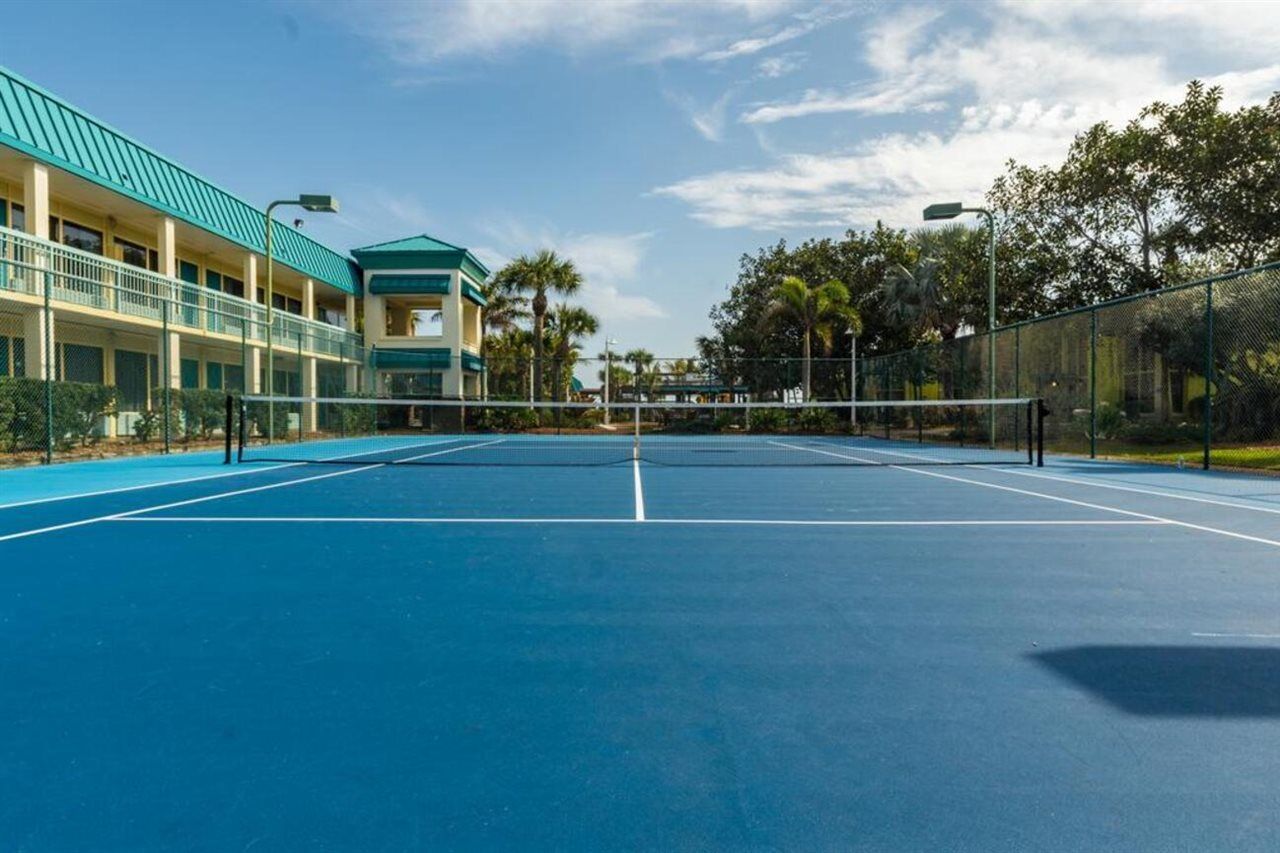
316, 204
951, 210
853, 379
608, 369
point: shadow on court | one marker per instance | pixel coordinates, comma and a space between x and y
1174, 681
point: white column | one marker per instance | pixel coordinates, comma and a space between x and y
253, 370
250, 276
166, 247
351, 382
351, 313
172, 344
39, 349
309, 299
35, 198
451, 313
310, 422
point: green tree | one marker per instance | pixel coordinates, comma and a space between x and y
567, 325
816, 312
543, 273
504, 307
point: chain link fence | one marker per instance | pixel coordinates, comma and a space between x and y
1185, 375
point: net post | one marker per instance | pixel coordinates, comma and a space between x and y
1031, 414
226, 430
1093, 384
635, 443
241, 432
1043, 411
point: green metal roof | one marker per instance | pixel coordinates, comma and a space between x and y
43, 126
420, 252
385, 284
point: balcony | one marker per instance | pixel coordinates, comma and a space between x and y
79, 279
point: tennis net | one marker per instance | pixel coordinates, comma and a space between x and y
376, 431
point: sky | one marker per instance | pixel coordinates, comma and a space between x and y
652, 141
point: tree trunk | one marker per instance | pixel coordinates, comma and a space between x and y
805, 367
539, 306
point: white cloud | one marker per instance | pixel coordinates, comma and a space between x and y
708, 121
1021, 88
418, 33
802, 24
609, 264
773, 67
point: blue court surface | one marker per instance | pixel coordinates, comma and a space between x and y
392, 657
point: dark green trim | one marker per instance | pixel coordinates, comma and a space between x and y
470, 291
401, 284
472, 363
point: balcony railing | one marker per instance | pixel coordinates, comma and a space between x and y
29, 264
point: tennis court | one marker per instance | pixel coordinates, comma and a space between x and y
384, 656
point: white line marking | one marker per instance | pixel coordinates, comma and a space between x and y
1272, 510
1203, 528
215, 519
450, 450
635, 466
1236, 636
115, 516
147, 485
827, 453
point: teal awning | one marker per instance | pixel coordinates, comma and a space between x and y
470, 291
432, 358
406, 284
473, 363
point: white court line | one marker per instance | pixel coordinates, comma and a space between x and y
114, 516
257, 519
1236, 636
450, 450
1203, 528
1267, 509
135, 488
119, 515
635, 466
236, 473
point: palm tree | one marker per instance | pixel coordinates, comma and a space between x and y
641, 359
503, 308
567, 325
817, 311
917, 297
546, 272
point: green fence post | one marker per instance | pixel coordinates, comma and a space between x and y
1093, 384
1207, 408
50, 353
165, 370
1017, 361
301, 387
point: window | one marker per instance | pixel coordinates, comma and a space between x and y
19, 217
212, 280
79, 363
190, 370
4, 214
213, 375
234, 377
5, 370
294, 306
415, 384
234, 286
131, 253
82, 238
131, 380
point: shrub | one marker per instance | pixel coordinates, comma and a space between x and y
767, 420
203, 411
78, 409
1148, 432
817, 420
